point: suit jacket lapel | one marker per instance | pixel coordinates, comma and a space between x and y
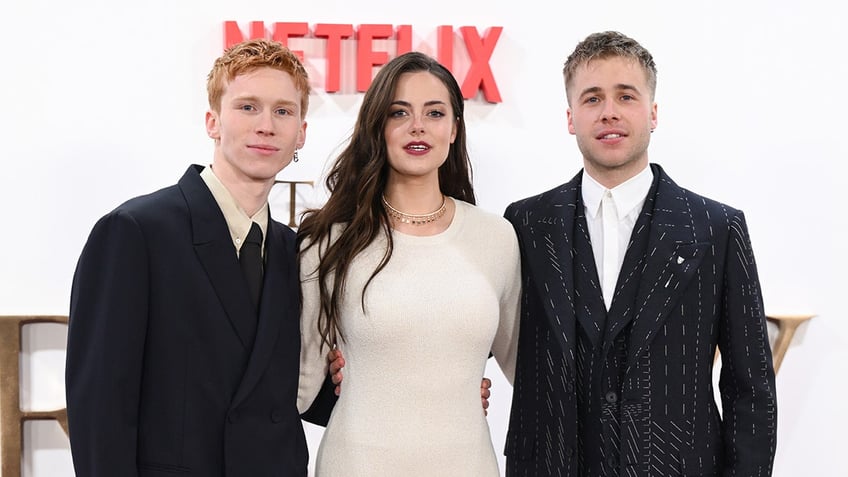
548, 254
216, 253
673, 256
593, 313
632, 270
273, 309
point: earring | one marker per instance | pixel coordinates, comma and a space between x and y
295, 158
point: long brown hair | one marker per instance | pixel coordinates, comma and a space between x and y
358, 178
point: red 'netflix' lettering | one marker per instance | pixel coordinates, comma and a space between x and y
404, 39
283, 31
444, 35
366, 57
480, 74
478, 77
334, 34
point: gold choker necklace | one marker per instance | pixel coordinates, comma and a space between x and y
416, 219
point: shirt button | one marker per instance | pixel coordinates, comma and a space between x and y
611, 397
611, 461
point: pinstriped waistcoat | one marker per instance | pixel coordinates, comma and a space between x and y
602, 349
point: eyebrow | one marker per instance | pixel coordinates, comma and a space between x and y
618, 87
256, 99
432, 102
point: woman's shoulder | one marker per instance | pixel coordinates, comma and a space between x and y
478, 216
488, 236
486, 226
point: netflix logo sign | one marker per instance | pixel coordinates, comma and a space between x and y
363, 47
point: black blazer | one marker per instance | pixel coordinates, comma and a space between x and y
697, 290
163, 374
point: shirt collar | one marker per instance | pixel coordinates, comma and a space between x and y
238, 222
628, 195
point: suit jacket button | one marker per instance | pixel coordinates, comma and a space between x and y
611, 397
276, 416
233, 417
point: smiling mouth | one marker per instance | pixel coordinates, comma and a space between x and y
417, 147
611, 136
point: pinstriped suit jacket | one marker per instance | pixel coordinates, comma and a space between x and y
697, 290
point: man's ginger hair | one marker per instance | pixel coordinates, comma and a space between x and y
250, 55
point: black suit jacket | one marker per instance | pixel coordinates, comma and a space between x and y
164, 376
697, 290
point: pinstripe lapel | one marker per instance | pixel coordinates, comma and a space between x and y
630, 276
673, 254
545, 224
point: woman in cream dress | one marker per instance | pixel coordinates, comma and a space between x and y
412, 282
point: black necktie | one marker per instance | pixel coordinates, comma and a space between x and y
250, 258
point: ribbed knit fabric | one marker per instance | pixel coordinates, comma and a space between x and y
410, 401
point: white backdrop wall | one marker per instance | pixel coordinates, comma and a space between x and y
102, 101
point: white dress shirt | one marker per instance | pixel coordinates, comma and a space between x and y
629, 197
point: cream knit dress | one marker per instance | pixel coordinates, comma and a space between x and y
410, 400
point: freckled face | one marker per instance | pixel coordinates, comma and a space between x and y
258, 128
612, 113
420, 128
